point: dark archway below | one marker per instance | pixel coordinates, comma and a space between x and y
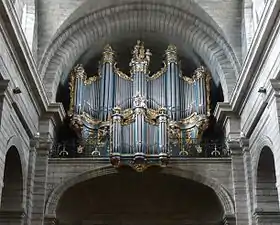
12, 192
267, 194
145, 198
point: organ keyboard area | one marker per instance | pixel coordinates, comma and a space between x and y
139, 118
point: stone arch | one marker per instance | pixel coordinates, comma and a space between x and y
263, 165
16, 142
55, 195
263, 141
12, 199
266, 191
163, 20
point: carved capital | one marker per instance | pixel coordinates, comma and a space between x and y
244, 144
234, 146
35, 141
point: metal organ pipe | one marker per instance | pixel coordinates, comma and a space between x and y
107, 83
79, 76
116, 131
172, 81
163, 139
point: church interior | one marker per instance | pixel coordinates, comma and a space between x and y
132, 112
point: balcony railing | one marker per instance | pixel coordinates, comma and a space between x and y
180, 149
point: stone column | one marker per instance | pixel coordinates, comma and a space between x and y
247, 161
3, 88
239, 184
34, 143
40, 179
275, 104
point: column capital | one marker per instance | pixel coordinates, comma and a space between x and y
234, 146
35, 141
244, 144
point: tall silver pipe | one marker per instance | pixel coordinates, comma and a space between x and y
79, 76
106, 76
116, 130
171, 60
163, 138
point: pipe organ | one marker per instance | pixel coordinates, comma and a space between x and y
141, 118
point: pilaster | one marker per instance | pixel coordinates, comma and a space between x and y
247, 161
239, 184
34, 144
3, 87
275, 85
231, 123
48, 122
40, 179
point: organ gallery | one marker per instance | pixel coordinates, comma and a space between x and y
139, 118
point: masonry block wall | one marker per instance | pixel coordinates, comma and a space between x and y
53, 13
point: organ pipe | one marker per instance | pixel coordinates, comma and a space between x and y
163, 139
140, 107
116, 130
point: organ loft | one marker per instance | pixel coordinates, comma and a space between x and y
139, 119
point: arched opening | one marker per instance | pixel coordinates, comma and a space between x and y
146, 198
12, 192
267, 196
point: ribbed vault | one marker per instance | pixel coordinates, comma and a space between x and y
166, 23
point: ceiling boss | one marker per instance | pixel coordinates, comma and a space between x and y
139, 119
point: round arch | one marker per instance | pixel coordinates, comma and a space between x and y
263, 145
13, 195
263, 141
16, 142
167, 22
221, 192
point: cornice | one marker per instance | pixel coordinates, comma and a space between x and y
22, 55
259, 42
55, 112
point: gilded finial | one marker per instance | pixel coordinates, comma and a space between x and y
79, 72
108, 54
171, 54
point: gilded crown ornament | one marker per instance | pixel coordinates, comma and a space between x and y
140, 58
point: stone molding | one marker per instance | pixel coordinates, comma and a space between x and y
125, 18
57, 192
